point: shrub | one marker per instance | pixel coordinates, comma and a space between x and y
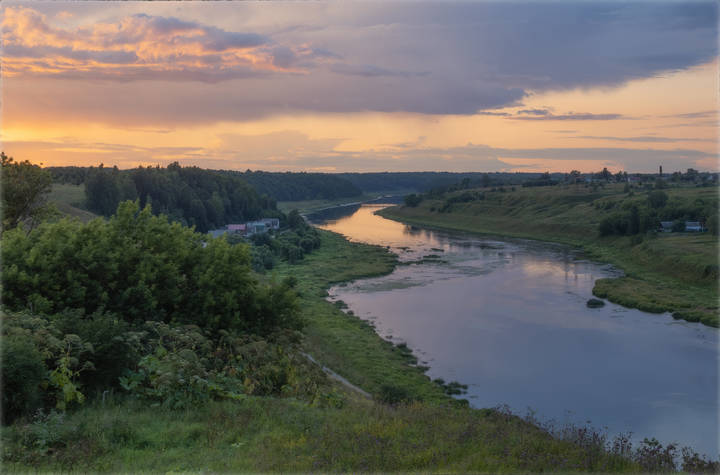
657, 199
23, 371
137, 266
712, 224
413, 200
113, 348
262, 258
678, 226
391, 394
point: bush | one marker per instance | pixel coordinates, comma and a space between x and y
712, 224
262, 258
113, 348
413, 200
23, 371
678, 226
657, 199
137, 266
391, 394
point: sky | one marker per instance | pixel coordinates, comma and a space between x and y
363, 86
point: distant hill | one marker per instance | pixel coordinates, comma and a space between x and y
424, 181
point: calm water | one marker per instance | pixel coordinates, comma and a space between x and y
508, 318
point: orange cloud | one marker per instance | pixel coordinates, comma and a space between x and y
142, 47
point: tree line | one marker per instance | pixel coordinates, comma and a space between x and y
300, 186
193, 196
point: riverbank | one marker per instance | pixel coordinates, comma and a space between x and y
410, 425
343, 342
674, 272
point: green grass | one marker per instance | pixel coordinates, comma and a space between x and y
283, 435
345, 343
666, 272
308, 206
70, 201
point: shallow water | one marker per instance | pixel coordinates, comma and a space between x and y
508, 318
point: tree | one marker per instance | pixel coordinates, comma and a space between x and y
413, 200
295, 221
712, 224
24, 193
574, 176
634, 222
657, 199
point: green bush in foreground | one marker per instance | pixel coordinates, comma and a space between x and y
138, 267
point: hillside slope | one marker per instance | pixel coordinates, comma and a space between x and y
676, 272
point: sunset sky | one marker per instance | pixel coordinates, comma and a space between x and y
362, 86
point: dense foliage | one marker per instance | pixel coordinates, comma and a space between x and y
140, 298
192, 196
24, 193
300, 186
636, 215
69, 175
137, 265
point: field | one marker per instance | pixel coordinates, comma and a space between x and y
70, 201
310, 206
674, 272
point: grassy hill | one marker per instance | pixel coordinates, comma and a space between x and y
676, 272
70, 201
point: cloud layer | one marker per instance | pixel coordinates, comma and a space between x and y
140, 46
429, 58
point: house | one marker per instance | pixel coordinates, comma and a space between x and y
229, 229
693, 226
237, 228
666, 226
255, 227
249, 228
271, 223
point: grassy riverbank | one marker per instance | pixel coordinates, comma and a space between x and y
343, 342
282, 435
352, 433
675, 272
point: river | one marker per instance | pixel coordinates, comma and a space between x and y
509, 319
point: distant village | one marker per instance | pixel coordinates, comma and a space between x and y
249, 228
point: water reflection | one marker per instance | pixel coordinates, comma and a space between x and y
508, 317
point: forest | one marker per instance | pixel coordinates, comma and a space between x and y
300, 186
